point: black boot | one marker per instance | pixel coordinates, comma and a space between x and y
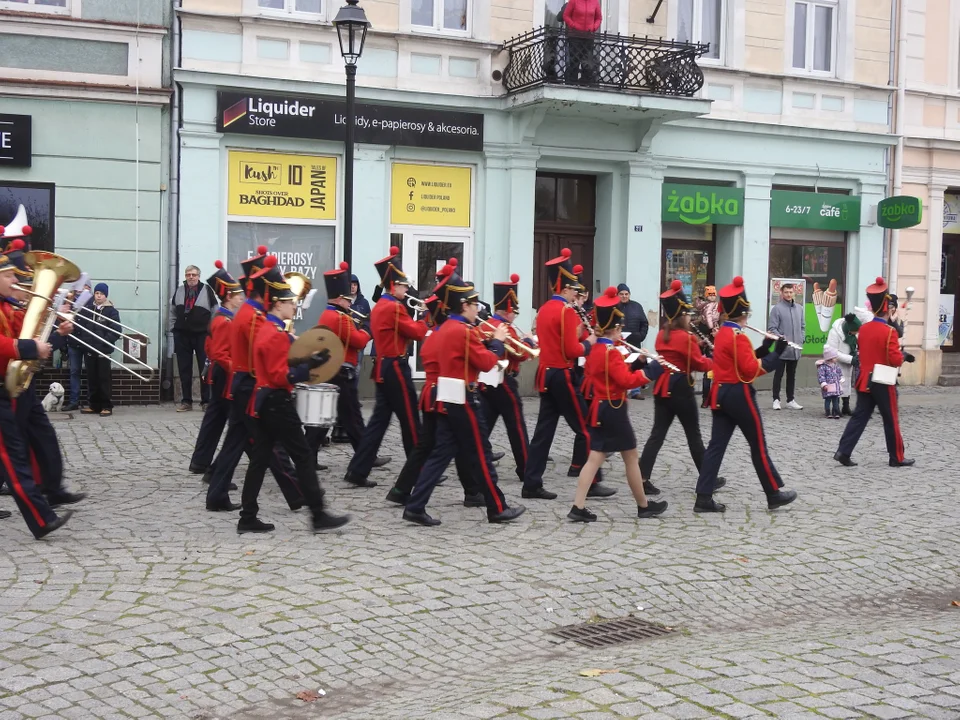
253, 525
706, 504
398, 496
581, 515
780, 498
653, 508
358, 481
55, 525
650, 489
323, 520
845, 406
843, 459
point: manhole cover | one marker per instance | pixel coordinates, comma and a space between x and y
603, 633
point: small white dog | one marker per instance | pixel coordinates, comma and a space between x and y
54, 399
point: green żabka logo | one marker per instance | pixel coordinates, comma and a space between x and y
700, 204
899, 212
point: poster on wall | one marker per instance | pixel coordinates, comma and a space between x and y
433, 195
818, 315
306, 249
945, 315
951, 213
38, 203
289, 187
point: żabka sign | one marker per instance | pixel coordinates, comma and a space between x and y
899, 212
702, 204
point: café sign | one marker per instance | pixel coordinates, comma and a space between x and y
814, 211
702, 204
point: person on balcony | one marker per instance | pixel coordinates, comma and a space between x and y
583, 19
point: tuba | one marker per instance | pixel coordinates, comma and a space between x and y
301, 285
50, 271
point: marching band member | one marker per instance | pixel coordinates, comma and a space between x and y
558, 333
461, 427
673, 395
393, 329
878, 344
15, 470
338, 319
734, 401
274, 414
400, 492
610, 428
44, 446
504, 401
219, 369
243, 328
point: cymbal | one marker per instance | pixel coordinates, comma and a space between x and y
312, 341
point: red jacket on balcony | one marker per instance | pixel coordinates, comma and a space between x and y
583, 15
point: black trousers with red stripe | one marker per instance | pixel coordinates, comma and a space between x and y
421, 453
883, 398
680, 404
214, 420
737, 408
562, 398
46, 458
16, 472
504, 402
395, 396
462, 428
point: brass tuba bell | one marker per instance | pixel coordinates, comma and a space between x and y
301, 285
50, 271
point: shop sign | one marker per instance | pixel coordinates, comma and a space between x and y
818, 316
292, 187
437, 195
899, 212
701, 204
16, 140
951, 213
312, 119
814, 211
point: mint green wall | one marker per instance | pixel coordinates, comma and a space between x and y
89, 151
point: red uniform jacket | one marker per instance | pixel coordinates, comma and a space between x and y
683, 350
878, 344
431, 367
734, 359
609, 376
243, 329
514, 360
392, 330
558, 333
271, 346
460, 350
218, 347
10, 348
353, 338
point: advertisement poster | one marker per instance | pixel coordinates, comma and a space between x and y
818, 315
38, 202
434, 195
290, 187
307, 249
946, 320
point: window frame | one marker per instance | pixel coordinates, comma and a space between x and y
697, 29
437, 28
290, 11
810, 37
71, 8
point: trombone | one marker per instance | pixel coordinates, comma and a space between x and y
774, 336
651, 355
514, 346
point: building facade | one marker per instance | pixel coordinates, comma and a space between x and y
84, 138
488, 132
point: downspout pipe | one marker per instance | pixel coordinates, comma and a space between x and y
173, 242
899, 114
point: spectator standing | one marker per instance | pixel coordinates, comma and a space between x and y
583, 19
786, 320
842, 339
360, 304
75, 353
101, 332
635, 323
193, 304
708, 322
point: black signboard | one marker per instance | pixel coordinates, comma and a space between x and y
306, 117
15, 140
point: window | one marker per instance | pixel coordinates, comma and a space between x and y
815, 36
37, 201
702, 21
306, 7
440, 14
40, 6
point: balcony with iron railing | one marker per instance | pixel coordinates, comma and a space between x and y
560, 57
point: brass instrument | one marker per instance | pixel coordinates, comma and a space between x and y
774, 336
514, 346
703, 337
313, 341
415, 303
50, 271
651, 355
301, 285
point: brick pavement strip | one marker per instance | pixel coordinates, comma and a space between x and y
838, 607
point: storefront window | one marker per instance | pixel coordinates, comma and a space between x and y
37, 200
307, 249
818, 264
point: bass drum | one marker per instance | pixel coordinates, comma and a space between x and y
317, 404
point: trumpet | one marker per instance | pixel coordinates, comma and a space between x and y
514, 346
416, 304
774, 336
651, 355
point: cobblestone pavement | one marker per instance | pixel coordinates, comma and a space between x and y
837, 607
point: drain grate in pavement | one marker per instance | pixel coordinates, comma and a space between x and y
604, 633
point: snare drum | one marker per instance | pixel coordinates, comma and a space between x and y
317, 404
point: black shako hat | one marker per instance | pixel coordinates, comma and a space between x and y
674, 301
733, 299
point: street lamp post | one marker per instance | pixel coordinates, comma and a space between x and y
351, 23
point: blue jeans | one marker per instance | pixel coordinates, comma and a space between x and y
75, 357
831, 406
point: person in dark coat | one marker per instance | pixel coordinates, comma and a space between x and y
75, 353
635, 323
101, 331
194, 304
360, 304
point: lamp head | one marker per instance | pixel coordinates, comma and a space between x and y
351, 23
